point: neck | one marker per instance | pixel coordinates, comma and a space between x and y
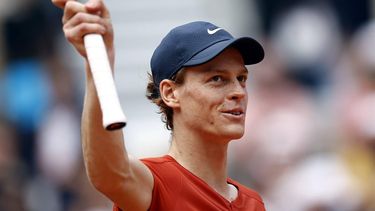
204, 157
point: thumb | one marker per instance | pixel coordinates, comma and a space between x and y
97, 7
60, 3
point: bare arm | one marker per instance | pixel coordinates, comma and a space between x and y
126, 181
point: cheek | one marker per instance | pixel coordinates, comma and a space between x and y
205, 100
201, 103
196, 100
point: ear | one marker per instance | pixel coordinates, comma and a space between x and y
168, 93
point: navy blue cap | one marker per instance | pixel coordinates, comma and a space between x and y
197, 43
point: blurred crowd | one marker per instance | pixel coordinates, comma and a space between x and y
310, 131
310, 140
41, 166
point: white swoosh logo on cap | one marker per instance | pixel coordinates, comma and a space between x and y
213, 31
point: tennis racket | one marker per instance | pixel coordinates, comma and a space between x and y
112, 114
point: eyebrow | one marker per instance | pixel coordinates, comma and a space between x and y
243, 70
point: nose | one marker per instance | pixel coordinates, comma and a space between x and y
238, 91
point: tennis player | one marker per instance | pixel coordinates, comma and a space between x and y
199, 82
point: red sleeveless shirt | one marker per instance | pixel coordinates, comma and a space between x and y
176, 188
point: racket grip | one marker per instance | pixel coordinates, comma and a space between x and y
112, 114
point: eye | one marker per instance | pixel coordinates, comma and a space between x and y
217, 78
242, 78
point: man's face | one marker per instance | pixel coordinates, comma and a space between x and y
213, 97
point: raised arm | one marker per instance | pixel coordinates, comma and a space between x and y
125, 180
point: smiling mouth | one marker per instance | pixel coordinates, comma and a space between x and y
235, 113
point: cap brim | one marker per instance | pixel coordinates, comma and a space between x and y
252, 52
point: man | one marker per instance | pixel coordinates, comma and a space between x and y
199, 82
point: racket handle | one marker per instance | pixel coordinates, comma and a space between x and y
112, 114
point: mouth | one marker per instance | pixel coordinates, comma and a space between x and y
235, 112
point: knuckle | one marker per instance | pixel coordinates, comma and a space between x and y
80, 17
69, 37
83, 27
69, 4
65, 30
98, 19
91, 28
100, 29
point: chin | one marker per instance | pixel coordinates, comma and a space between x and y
237, 136
233, 132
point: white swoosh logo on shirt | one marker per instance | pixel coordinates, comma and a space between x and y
213, 31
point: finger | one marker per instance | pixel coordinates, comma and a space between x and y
72, 8
75, 34
59, 3
80, 18
97, 7
81, 50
